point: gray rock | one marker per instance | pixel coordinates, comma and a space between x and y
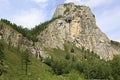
59, 11
77, 26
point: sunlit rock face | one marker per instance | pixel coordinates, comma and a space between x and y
15, 39
78, 26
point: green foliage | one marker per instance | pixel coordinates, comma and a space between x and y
67, 10
36, 70
48, 61
65, 64
25, 60
78, 7
59, 67
67, 56
86, 63
83, 61
65, 5
115, 43
24, 31
115, 64
74, 75
2, 57
39, 28
30, 34
100, 70
1, 53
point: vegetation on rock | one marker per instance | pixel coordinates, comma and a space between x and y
2, 58
72, 63
33, 33
36, 70
81, 63
86, 63
115, 43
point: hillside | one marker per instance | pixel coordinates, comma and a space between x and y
70, 46
67, 66
70, 22
78, 26
64, 64
36, 69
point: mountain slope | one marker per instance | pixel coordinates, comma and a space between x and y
36, 69
72, 23
77, 26
69, 64
69, 47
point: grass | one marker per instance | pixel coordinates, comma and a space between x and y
36, 70
13, 62
7, 26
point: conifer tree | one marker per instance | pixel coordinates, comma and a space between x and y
25, 60
1, 59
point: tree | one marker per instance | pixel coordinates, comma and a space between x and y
61, 67
67, 56
101, 70
1, 59
115, 64
25, 60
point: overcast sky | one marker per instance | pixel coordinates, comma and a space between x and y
29, 13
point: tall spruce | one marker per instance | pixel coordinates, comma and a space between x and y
1, 59
25, 60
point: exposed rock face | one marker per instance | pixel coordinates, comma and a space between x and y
59, 11
78, 26
13, 38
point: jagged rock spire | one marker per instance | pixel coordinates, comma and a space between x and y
78, 26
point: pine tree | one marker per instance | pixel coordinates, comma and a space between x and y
25, 60
1, 59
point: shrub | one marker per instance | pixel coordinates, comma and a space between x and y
59, 67
67, 10
67, 56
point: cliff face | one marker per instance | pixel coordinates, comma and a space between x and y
77, 26
16, 39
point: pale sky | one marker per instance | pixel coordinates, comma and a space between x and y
29, 13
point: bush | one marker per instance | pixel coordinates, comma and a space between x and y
48, 61
30, 34
74, 75
2, 57
59, 67
67, 56
115, 64
115, 43
67, 10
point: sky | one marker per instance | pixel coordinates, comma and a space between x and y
29, 13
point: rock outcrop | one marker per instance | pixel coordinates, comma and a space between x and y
15, 39
78, 26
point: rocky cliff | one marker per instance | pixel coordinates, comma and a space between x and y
77, 25
13, 38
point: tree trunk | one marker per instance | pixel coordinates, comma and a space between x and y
1, 72
26, 67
